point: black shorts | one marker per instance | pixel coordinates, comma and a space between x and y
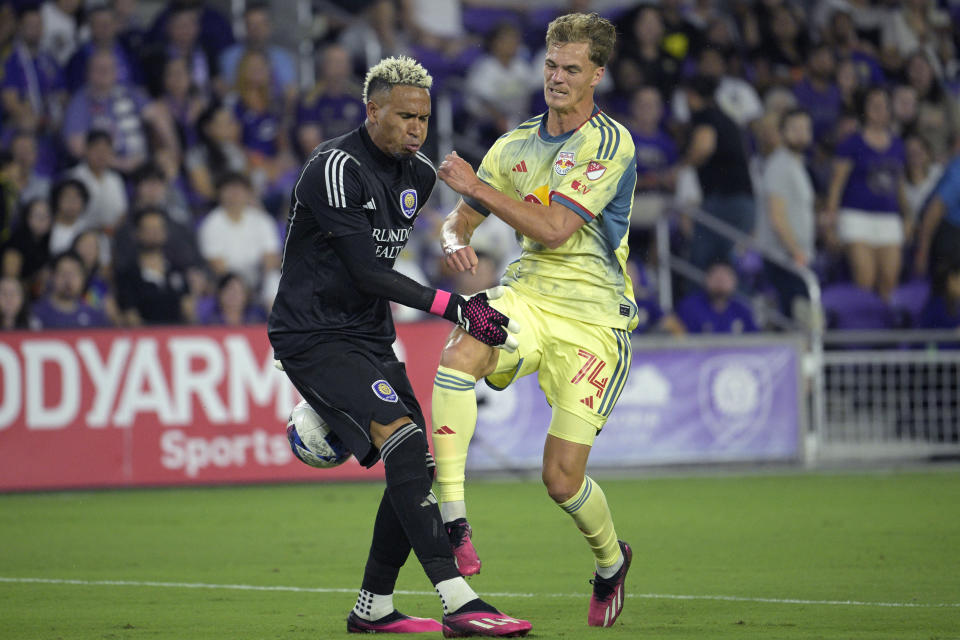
350, 386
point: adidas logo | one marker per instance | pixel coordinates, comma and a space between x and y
587, 401
521, 168
447, 431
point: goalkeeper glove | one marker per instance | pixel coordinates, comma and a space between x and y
475, 316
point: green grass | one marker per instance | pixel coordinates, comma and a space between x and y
870, 538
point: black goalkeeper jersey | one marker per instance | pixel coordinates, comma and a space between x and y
347, 186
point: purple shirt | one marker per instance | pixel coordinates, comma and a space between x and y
336, 115
655, 152
49, 317
34, 77
824, 107
118, 114
260, 129
875, 175
699, 316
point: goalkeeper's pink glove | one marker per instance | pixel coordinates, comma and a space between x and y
475, 316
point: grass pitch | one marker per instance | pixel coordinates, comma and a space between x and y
850, 556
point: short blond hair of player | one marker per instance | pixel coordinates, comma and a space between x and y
564, 180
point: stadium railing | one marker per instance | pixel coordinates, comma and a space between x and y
812, 329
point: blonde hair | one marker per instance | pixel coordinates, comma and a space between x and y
390, 72
591, 28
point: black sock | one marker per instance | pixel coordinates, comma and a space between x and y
408, 487
388, 550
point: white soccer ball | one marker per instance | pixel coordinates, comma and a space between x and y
312, 440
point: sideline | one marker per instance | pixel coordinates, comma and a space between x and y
503, 594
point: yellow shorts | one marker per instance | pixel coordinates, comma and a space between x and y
582, 367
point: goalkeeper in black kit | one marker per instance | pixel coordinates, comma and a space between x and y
353, 207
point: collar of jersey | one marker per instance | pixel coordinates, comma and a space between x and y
379, 156
546, 137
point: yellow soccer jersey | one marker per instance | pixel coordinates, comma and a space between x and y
593, 171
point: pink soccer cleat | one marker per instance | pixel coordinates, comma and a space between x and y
396, 622
459, 532
483, 623
606, 603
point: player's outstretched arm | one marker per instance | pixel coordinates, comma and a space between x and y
357, 251
549, 225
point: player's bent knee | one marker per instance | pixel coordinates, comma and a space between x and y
464, 353
560, 485
380, 432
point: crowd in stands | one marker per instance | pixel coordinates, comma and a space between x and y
148, 150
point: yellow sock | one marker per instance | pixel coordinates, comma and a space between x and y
454, 420
590, 512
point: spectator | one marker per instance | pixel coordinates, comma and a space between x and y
791, 223
9, 193
26, 255
151, 290
107, 204
865, 197
817, 93
681, 38
716, 150
207, 24
258, 29
102, 21
922, 175
942, 309
641, 57
918, 25
846, 42
152, 191
32, 182
233, 307
498, 84
60, 32
938, 239
905, 107
219, 151
93, 249
64, 307
238, 237
181, 38
656, 156
783, 54
263, 127
69, 199
122, 111
14, 312
31, 88
331, 108
715, 310
8, 29
734, 96
181, 101
938, 117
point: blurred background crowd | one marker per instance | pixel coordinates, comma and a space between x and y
149, 149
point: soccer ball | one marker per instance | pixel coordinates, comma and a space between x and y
312, 440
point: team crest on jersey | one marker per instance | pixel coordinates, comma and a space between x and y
595, 170
384, 391
408, 202
564, 162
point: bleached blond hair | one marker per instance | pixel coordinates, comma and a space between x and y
390, 72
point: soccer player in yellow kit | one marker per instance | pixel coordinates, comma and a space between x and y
565, 181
